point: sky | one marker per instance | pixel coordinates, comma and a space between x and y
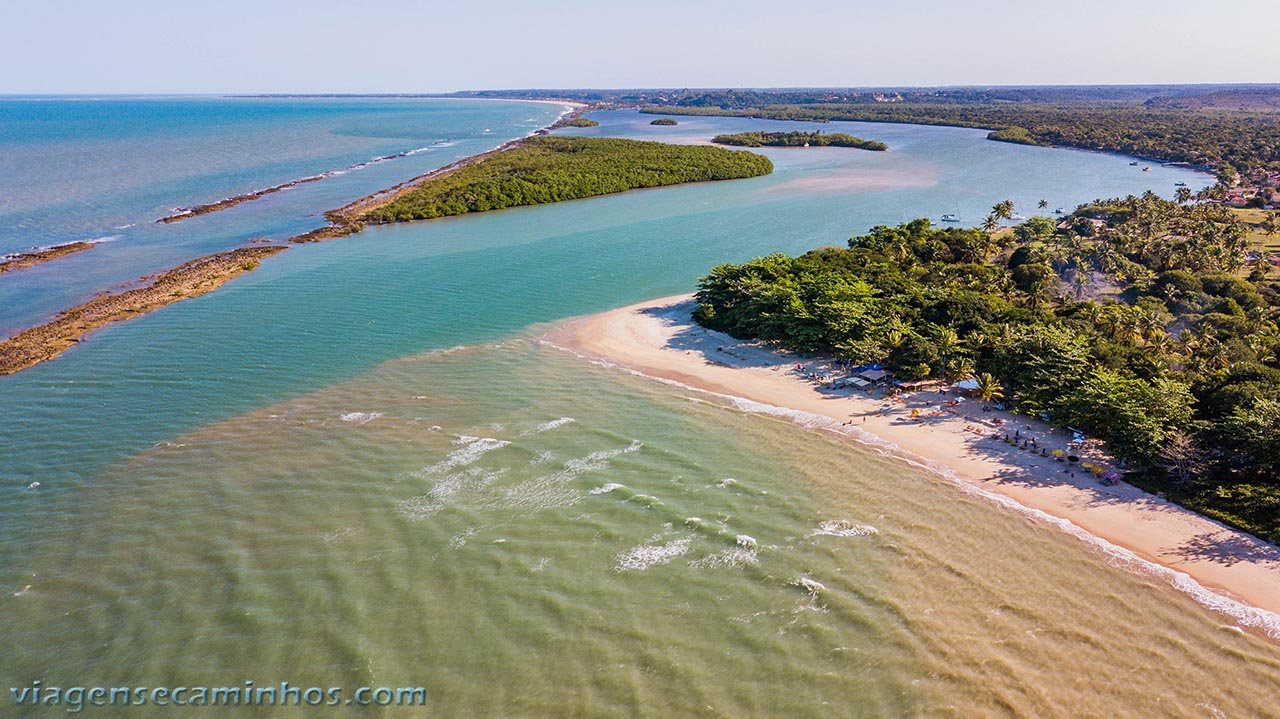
179, 46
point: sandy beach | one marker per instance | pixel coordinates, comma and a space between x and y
1225, 569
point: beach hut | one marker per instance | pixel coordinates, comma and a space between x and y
873, 375
968, 385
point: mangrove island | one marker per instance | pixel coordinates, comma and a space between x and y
547, 169
798, 139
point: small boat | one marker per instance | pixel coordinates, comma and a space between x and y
1018, 218
1146, 169
950, 218
1133, 164
1058, 211
1179, 184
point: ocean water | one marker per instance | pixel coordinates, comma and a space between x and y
356, 466
104, 169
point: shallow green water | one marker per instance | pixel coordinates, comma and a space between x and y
524, 534
296, 479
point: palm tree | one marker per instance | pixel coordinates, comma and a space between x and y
1080, 280
1003, 210
989, 388
1183, 195
991, 224
948, 341
1159, 344
1042, 204
1271, 225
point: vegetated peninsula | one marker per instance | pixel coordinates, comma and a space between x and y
798, 139
552, 169
664, 121
1146, 323
1154, 130
191, 279
23, 260
581, 122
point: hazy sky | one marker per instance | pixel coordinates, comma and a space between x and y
162, 46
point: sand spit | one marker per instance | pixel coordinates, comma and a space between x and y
38, 344
23, 260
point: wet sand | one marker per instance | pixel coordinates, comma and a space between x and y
659, 339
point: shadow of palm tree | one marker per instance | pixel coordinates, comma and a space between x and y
715, 347
1228, 548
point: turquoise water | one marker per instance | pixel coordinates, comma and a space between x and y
104, 169
297, 478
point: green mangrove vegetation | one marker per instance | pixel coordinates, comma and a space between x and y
1145, 322
664, 121
1244, 139
552, 169
798, 139
581, 122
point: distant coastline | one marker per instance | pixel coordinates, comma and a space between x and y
183, 213
44, 342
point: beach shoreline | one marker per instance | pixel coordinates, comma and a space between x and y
1222, 568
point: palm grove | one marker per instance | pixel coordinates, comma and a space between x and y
1131, 318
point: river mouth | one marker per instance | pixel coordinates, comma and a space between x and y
297, 478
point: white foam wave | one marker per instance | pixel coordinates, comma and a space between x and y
472, 449
607, 488
459, 540
1267, 622
811, 586
843, 528
651, 554
732, 558
360, 417
545, 426
104, 238
646, 500
459, 485
552, 491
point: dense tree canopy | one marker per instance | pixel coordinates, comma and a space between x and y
1203, 138
797, 139
551, 169
1131, 320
